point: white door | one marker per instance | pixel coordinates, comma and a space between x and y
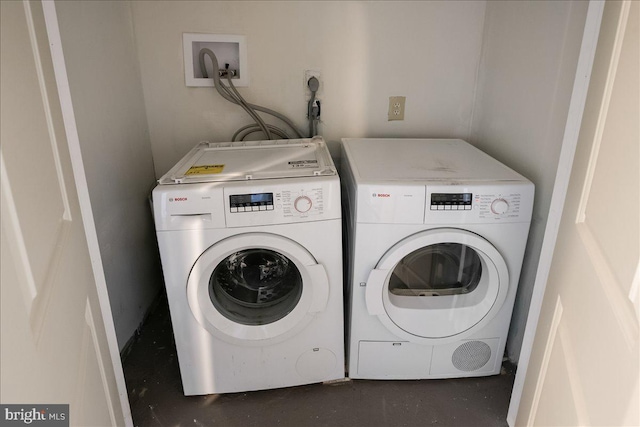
256, 287
438, 286
53, 341
584, 368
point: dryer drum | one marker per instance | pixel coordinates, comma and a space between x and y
255, 286
436, 270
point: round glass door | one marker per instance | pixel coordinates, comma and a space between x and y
255, 286
438, 285
437, 270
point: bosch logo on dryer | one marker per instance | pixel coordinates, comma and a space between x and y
177, 199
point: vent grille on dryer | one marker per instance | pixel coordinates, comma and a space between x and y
471, 355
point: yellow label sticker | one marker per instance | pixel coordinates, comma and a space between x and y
205, 170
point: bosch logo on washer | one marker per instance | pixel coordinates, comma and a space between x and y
382, 195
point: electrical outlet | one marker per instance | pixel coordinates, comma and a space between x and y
229, 49
307, 75
396, 107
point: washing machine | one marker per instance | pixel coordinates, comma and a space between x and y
250, 241
436, 233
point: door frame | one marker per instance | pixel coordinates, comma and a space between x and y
561, 184
569, 143
80, 179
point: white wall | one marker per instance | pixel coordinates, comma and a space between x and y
107, 97
366, 52
529, 59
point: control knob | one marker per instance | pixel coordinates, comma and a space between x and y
499, 206
302, 204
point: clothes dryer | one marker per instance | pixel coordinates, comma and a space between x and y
436, 233
250, 242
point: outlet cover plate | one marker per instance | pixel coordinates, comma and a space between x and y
396, 107
229, 49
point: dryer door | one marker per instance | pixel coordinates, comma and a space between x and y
438, 285
255, 287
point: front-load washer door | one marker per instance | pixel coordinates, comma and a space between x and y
256, 287
438, 285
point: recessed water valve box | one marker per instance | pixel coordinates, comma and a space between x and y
229, 49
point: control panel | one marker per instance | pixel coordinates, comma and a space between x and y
451, 201
281, 202
299, 203
492, 204
479, 204
302, 203
251, 202
242, 204
496, 204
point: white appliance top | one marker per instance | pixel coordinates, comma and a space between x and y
252, 160
409, 160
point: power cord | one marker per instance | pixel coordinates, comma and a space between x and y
313, 108
232, 95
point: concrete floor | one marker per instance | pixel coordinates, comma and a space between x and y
155, 393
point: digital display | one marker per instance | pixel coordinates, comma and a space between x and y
456, 199
262, 197
251, 202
